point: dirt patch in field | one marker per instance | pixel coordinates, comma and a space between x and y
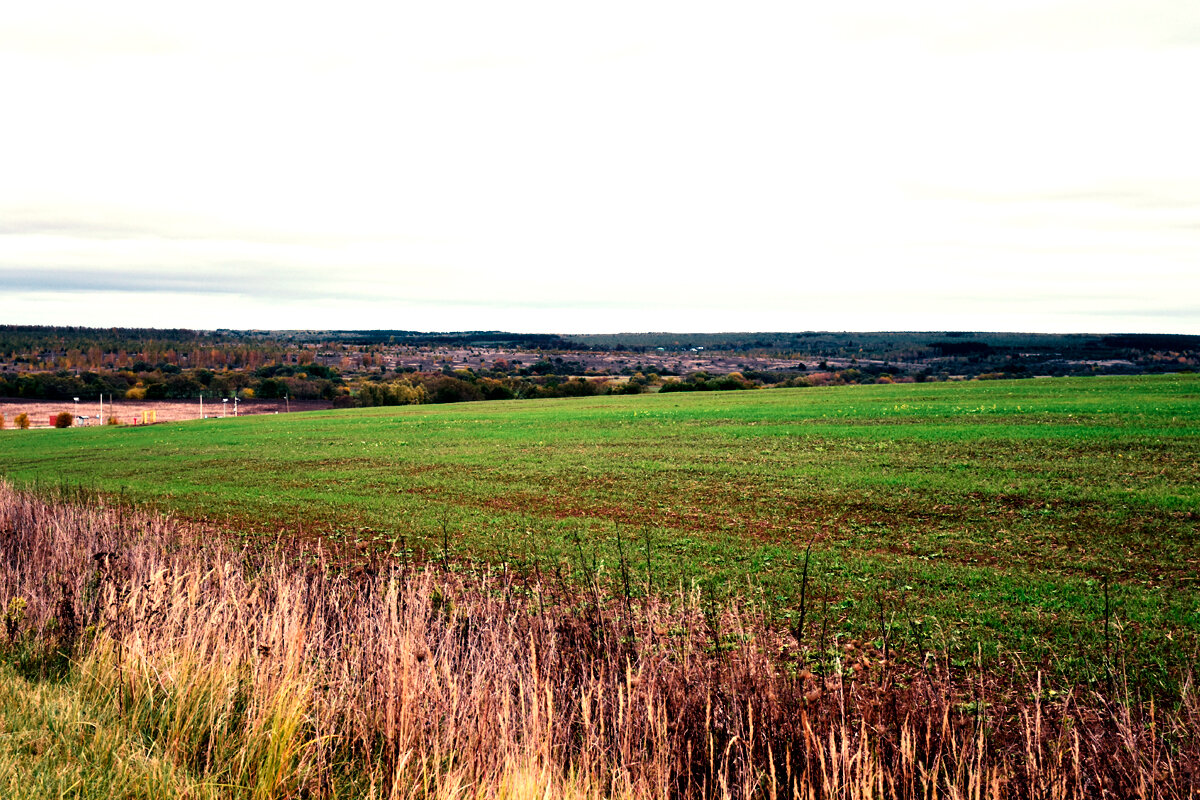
131, 412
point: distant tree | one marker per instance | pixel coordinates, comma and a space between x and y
64, 420
22, 421
734, 381
493, 389
271, 388
577, 387
443, 389
181, 386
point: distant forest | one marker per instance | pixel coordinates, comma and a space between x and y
387, 367
902, 345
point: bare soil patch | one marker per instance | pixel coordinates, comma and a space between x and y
130, 412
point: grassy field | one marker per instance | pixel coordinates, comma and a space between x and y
1050, 520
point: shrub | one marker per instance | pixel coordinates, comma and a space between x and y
1, 422
64, 420
22, 421
113, 421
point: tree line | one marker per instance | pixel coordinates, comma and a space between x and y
169, 382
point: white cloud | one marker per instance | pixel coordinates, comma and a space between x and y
1025, 165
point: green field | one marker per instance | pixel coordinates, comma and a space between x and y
986, 514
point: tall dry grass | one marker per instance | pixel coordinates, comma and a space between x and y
276, 674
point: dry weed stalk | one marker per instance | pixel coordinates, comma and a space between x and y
280, 677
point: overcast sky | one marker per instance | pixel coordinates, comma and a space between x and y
559, 166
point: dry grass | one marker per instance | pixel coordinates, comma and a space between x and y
281, 674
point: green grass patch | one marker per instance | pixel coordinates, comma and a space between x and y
961, 515
57, 742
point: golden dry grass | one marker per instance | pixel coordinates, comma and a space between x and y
280, 674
